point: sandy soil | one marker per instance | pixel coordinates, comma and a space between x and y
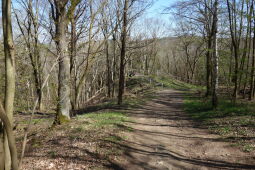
165, 137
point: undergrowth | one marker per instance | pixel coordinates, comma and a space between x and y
169, 82
104, 119
234, 122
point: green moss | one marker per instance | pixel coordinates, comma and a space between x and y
63, 119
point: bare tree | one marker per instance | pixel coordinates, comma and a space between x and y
29, 28
127, 20
236, 38
60, 13
123, 51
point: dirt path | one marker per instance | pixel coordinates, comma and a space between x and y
165, 137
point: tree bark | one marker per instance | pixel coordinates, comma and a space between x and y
114, 65
215, 57
123, 53
73, 52
208, 68
109, 80
7, 116
10, 138
1, 146
209, 47
252, 67
64, 104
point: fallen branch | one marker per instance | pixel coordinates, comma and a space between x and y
96, 94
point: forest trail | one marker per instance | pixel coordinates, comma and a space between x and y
165, 137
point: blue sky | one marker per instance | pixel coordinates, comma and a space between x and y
158, 7
156, 14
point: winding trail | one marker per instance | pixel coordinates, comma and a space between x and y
165, 137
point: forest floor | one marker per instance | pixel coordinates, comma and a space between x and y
151, 130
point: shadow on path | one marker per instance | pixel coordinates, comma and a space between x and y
160, 122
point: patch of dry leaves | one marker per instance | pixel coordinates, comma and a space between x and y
69, 147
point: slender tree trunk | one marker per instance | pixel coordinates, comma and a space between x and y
123, 53
38, 83
9, 86
235, 37
249, 40
235, 75
230, 64
252, 68
208, 66
146, 65
82, 80
73, 53
215, 57
114, 67
30, 35
207, 27
1, 146
246, 52
37, 63
108, 65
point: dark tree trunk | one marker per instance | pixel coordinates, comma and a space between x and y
114, 67
215, 57
208, 67
108, 65
123, 53
252, 68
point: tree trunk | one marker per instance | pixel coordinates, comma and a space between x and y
235, 75
38, 83
208, 67
9, 85
249, 38
114, 66
209, 47
64, 104
123, 53
146, 65
1, 146
37, 63
252, 68
235, 37
10, 138
73, 69
215, 57
109, 82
